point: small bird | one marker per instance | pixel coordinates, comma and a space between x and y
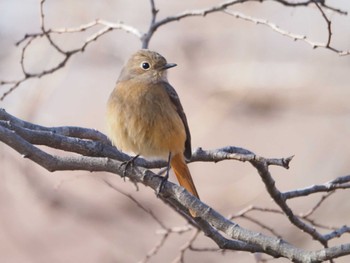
145, 115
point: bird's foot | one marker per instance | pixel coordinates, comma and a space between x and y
128, 163
165, 178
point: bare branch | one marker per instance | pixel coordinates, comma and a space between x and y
293, 36
187, 246
329, 23
165, 231
29, 38
107, 26
244, 212
135, 201
208, 221
338, 232
155, 249
223, 7
279, 199
338, 183
309, 2
154, 25
236, 153
318, 204
90, 150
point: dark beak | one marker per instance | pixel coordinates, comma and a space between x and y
169, 65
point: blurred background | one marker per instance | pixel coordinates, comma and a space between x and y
240, 84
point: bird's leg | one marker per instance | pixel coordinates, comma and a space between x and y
165, 178
128, 163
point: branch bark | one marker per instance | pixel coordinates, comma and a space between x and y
97, 154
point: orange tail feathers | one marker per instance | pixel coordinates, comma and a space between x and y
183, 174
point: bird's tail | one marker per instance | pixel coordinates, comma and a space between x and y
183, 174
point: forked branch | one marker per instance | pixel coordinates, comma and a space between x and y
96, 154
145, 37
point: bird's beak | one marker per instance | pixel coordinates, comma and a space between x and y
169, 65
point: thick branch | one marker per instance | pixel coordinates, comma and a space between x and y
19, 134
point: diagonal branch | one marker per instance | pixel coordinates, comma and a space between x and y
342, 182
295, 37
209, 221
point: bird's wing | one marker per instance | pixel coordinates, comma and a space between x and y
176, 101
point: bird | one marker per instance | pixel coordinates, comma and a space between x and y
145, 116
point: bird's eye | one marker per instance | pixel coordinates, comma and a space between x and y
145, 65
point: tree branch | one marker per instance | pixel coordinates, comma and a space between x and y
146, 37
99, 155
338, 183
295, 37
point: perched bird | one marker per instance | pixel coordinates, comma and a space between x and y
145, 115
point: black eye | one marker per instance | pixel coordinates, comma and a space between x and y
145, 65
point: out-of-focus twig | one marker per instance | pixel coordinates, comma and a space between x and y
295, 37
28, 39
145, 37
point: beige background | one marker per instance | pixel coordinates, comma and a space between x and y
240, 84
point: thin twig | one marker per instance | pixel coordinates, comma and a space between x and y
342, 182
318, 204
29, 38
244, 212
328, 22
295, 37
154, 25
187, 246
